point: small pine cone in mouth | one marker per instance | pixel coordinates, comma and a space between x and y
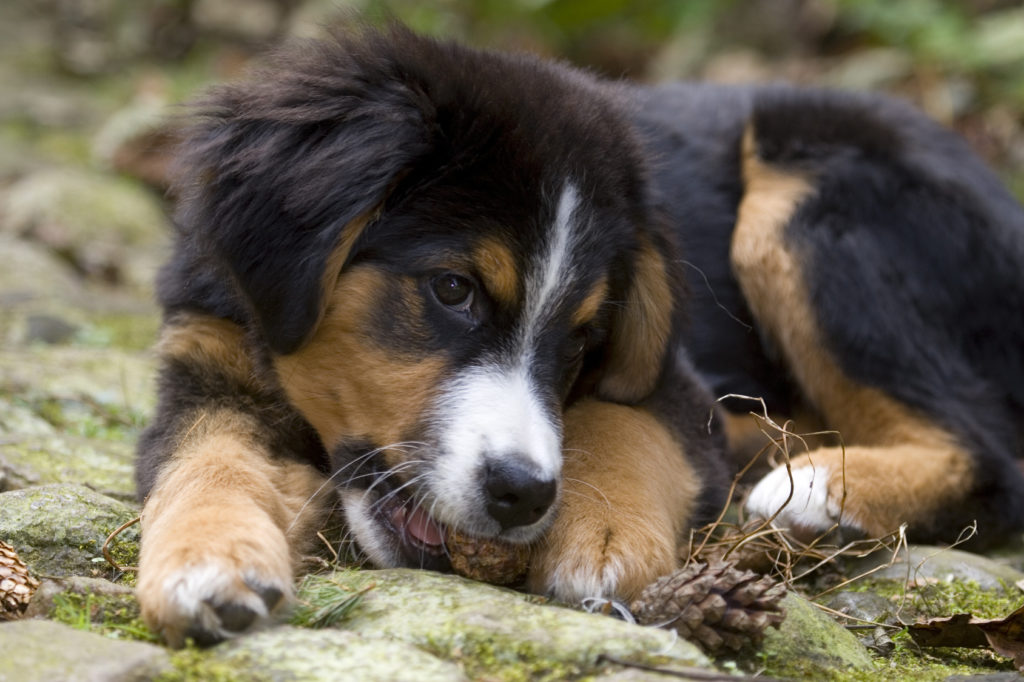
487, 559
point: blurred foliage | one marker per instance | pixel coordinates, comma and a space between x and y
961, 60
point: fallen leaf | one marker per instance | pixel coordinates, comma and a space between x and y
1004, 635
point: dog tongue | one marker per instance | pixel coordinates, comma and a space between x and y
419, 525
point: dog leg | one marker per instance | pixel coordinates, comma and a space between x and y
230, 501
899, 466
628, 495
219, 533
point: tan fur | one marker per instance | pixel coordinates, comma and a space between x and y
336, 260
207, 342
903, 466
497, 266
749, 434
588, 309
346, 385
638, 340
224, 501
629, 493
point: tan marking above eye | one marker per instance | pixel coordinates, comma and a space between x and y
497, 267
588, 309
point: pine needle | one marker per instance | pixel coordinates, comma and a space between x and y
325, 601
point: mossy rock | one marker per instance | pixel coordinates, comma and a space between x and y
103, 465
290, 654
109, 229
60, 529
42, 651
922, 562
810, 644
500, 634
103, 383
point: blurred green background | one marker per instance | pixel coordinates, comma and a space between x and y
86, 82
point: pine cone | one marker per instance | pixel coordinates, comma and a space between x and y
16, 585
487, 560
716, 606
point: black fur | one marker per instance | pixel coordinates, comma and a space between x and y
913, 251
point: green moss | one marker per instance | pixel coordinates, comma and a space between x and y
114, 616
924, 600
193, 665
934, 598
908, 661
125, 331
500, 659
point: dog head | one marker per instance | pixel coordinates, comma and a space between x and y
441, 248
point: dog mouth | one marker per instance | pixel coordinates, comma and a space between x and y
419, 538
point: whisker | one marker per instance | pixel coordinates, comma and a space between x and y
589, 485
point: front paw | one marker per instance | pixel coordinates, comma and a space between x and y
587, 559
207, 580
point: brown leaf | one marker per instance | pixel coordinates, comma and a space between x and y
1004, 635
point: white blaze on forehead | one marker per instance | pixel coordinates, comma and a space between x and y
553, 270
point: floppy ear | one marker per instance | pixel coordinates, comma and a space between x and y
640, 330
285, 171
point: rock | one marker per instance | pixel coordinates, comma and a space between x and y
59, 530
47, 328
31, 273
921, 562
109, 229
870, 69
863, 606
103, 465
44, 651
810, 644
99, 383
289, 654
140, 140
16, 420
493, 632
51, 590
254, 21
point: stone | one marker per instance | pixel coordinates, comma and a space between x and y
492, 631
31, 273
103, 465
290, 654
922, 562
89, 381
109, 229
810, 644
44, 651
43, 602
59, 529
867, 607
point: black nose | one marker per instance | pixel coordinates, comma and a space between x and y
516, 495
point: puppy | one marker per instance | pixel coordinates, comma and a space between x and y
468, 290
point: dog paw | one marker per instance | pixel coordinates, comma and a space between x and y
603, 563
806, 500
229, 579
210, 602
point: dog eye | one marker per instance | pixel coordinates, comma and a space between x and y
454, 291
576, 344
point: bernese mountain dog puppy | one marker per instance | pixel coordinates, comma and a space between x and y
463, 289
